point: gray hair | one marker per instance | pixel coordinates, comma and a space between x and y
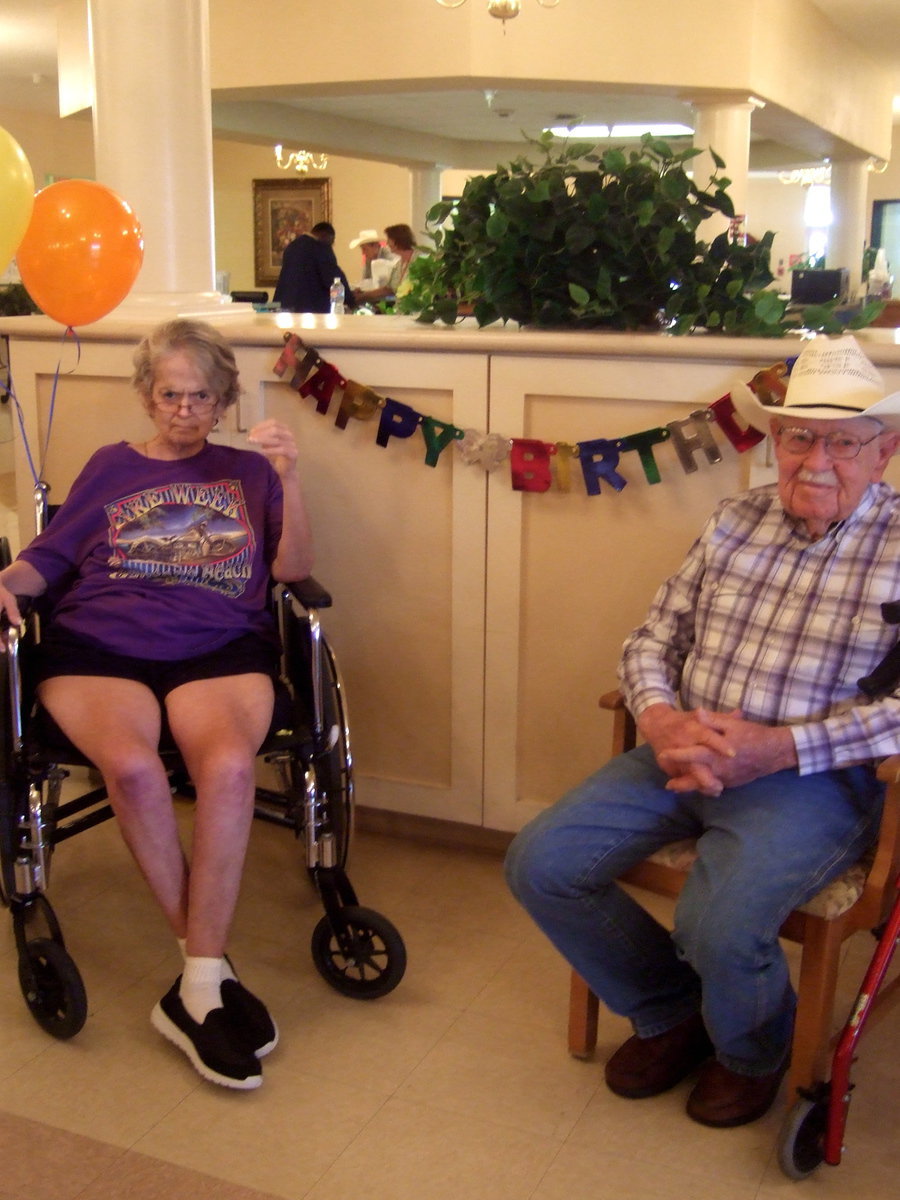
206, 346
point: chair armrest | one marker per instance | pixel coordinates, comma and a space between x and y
624, 727
878, 891
309, 592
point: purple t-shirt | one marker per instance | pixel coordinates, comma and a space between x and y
163, 560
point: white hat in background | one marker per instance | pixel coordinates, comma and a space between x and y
365, 236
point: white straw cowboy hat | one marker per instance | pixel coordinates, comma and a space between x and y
365, 236
831, 380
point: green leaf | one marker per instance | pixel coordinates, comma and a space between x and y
720, 162
664, 240
645, 211
768, 306
497, 225
447, 310
580, 295
438, 213
579, 236
539, 193
614, 162
675, 185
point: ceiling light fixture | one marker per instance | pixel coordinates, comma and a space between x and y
300, 160
503, 10
621, 131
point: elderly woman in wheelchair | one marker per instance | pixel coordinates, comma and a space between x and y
157, 569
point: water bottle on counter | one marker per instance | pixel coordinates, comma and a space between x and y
336, 297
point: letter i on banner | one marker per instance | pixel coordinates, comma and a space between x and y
701, 439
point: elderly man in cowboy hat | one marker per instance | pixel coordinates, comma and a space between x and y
373, 249
743, 680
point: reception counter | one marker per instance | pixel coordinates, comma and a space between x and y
476, 623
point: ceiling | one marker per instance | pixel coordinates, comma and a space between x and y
28, 80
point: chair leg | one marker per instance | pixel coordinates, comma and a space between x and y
819, 963
583, 1009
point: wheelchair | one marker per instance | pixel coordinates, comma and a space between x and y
355, 949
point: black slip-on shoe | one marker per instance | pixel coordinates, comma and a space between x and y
215, 1048
250, 1017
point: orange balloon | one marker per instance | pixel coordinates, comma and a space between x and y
82, 251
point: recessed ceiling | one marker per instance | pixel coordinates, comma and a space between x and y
28, 80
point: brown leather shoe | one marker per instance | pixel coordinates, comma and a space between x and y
644, 1067
722, 1098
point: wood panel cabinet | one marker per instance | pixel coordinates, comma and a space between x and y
475, 624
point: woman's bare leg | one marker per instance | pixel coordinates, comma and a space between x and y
219, 725
116, 724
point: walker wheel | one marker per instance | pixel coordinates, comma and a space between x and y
365, 959
801, 1141
52, 987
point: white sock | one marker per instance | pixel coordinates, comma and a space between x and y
199, 989
228, 971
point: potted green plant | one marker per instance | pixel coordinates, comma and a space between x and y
607, 239
15, 301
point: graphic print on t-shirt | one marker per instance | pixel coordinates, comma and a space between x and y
189, 533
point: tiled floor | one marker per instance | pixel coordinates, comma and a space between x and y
457, 1086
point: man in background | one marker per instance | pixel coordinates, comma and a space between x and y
308, 269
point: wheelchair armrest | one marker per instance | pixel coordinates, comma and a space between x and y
309, 592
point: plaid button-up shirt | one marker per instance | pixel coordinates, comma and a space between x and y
763, 619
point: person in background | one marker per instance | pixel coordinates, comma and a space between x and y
402, 244
160, 561
372, 249
760, 742
308, 269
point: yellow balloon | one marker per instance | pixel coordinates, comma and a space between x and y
16, 197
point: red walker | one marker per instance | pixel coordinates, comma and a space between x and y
814, 1130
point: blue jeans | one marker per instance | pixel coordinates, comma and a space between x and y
764, 848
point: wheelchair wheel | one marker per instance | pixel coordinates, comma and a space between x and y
801, 1141
334, 771
52, 987
365, 960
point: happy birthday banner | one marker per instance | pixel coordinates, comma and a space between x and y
535, 465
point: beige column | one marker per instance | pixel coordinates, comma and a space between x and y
153, 141
723, 126
849, 194
425, 185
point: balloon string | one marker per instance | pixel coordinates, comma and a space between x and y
9, 389
69, 332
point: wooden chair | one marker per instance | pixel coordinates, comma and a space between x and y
859, 899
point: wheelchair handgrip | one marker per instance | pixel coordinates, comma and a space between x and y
309, 592
25, 603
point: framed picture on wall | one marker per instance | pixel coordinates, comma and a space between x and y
282, 210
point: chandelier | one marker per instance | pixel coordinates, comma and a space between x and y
300, 160
503, 10
812, 176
